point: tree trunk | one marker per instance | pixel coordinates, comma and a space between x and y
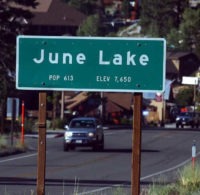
3, 114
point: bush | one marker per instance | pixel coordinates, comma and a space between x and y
59, 123
3, 142
30, 125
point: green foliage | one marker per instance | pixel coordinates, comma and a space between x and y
90, 27
126, 8
3, 142
188, 183
12, 23
174, 39
159, 17
185, 97
30, 125
88, 7
187, 36
189, 177
189, 29
59, 123
161, 190
21, 146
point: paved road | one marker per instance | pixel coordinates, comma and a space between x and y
84, 170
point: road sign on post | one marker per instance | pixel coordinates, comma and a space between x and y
90, 64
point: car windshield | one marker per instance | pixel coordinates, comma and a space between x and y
82, 124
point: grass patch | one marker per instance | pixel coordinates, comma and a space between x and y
189, 178
21, 146
3, 142
188, 183
6, 148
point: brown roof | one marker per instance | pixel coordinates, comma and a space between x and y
177, 55
112, 107
57, 12
188, 60
171, 68
76, 100
115, 101
42, 6
123, 100
54, 13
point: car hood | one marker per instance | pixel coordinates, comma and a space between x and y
81, 130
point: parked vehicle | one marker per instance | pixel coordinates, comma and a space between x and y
84, 131
188, 119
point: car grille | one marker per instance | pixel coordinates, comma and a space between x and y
79, 134
186, 119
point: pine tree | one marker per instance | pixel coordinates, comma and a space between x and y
187, 36
88, 7
189, 28
13, 18
159, 17
90, 27
126, 7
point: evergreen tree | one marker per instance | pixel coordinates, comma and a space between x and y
159, 17
126, 8
187, 36
179, 8
185, 97
88, 7
189, 28
90, 27
12, 22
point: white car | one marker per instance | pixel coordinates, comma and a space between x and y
84, 131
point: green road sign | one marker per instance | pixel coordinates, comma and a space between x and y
90, 64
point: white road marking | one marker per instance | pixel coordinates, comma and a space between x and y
16, 158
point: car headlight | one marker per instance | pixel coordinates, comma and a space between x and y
91, 134
68, 134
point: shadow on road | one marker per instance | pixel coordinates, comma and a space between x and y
118, 150
69, 182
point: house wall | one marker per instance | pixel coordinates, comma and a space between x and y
176, 63
159, 106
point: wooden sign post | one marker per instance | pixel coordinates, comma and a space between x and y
41, 145
136, 144
86, 73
